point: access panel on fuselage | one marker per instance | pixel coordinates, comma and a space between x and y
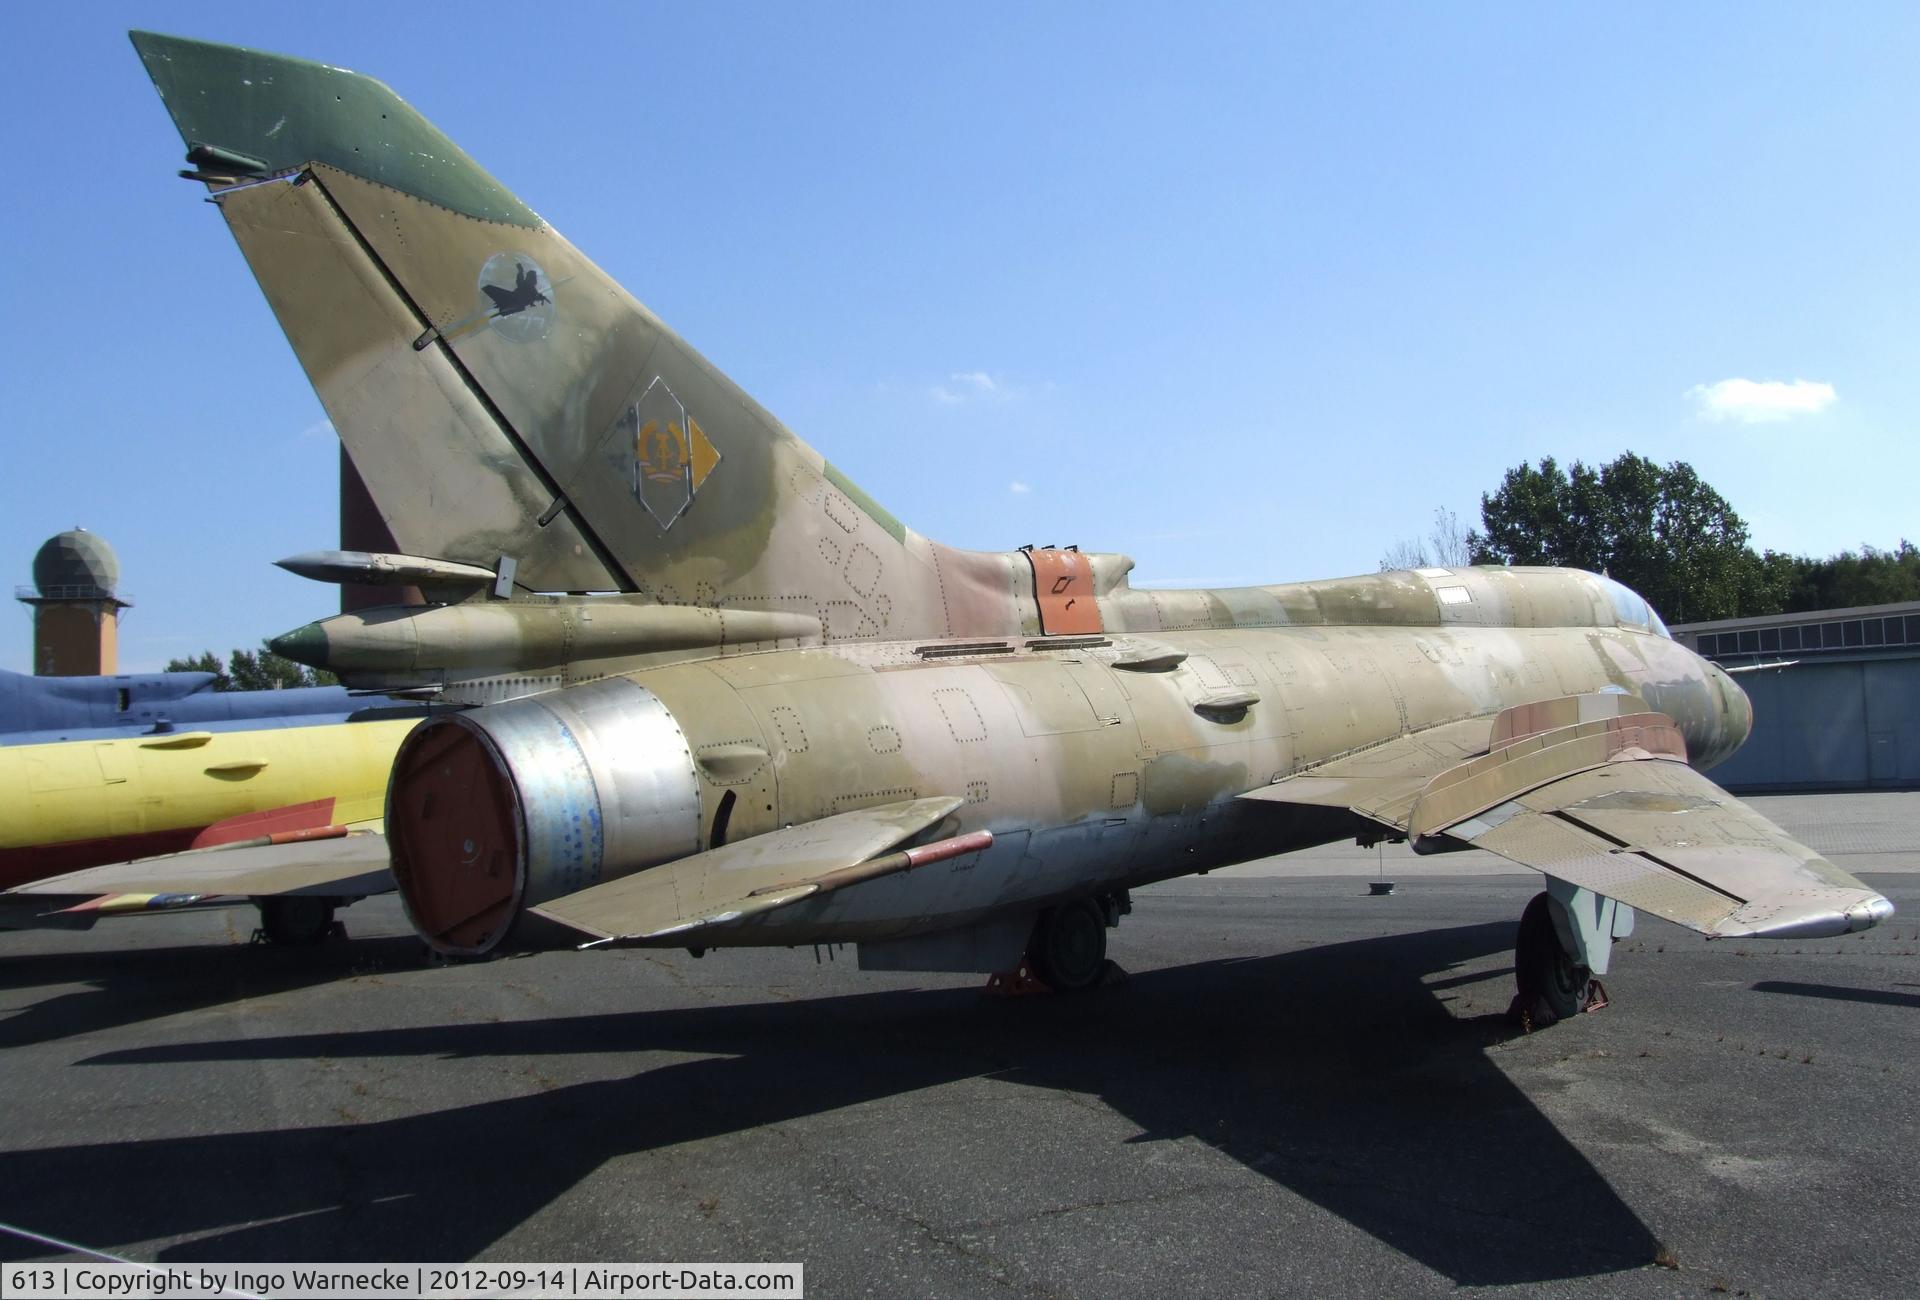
1063, 589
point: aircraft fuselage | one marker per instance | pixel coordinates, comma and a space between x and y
1098, 762
1098, 778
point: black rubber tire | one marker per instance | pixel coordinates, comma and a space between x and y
1068, 950
1549, 979
295, 922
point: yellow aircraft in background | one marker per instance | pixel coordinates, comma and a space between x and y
82, 818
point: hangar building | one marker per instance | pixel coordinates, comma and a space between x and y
1836, 697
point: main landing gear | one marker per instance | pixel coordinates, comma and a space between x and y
1067, 952
296, 921
1564, 942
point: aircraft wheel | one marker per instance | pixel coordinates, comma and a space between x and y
1068, 950
1552, 986
295, 922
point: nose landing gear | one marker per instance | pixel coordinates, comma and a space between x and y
1564, 942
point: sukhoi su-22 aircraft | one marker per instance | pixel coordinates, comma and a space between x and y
720, 696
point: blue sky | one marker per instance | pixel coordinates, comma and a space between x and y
1244, 293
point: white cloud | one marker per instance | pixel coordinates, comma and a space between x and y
1018, 488
964, 385
320, 428
1750, 401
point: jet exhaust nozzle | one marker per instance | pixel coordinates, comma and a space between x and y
508, 806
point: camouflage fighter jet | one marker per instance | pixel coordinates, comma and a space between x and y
720, 696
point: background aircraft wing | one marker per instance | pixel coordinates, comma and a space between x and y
735, 881
340, 866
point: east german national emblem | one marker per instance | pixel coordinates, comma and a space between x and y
666, 451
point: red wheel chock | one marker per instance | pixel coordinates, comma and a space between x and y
1019, 982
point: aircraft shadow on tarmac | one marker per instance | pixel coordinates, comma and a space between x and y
132, 985
1333, 1071
1839, 993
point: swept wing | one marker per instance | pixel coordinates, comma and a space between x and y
350, 864
1595, 790
774, 870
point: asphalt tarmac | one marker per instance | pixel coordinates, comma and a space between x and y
1301, 1090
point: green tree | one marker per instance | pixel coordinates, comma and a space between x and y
205, 662
1869, 577
1447, 546
248, 670
1661, 530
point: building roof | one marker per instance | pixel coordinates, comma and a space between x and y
1902, 607
1870, 631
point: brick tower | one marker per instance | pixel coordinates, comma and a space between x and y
76, 609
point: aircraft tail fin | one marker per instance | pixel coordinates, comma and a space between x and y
246, 114
502, 396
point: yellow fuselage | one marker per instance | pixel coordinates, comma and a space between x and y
81, 803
